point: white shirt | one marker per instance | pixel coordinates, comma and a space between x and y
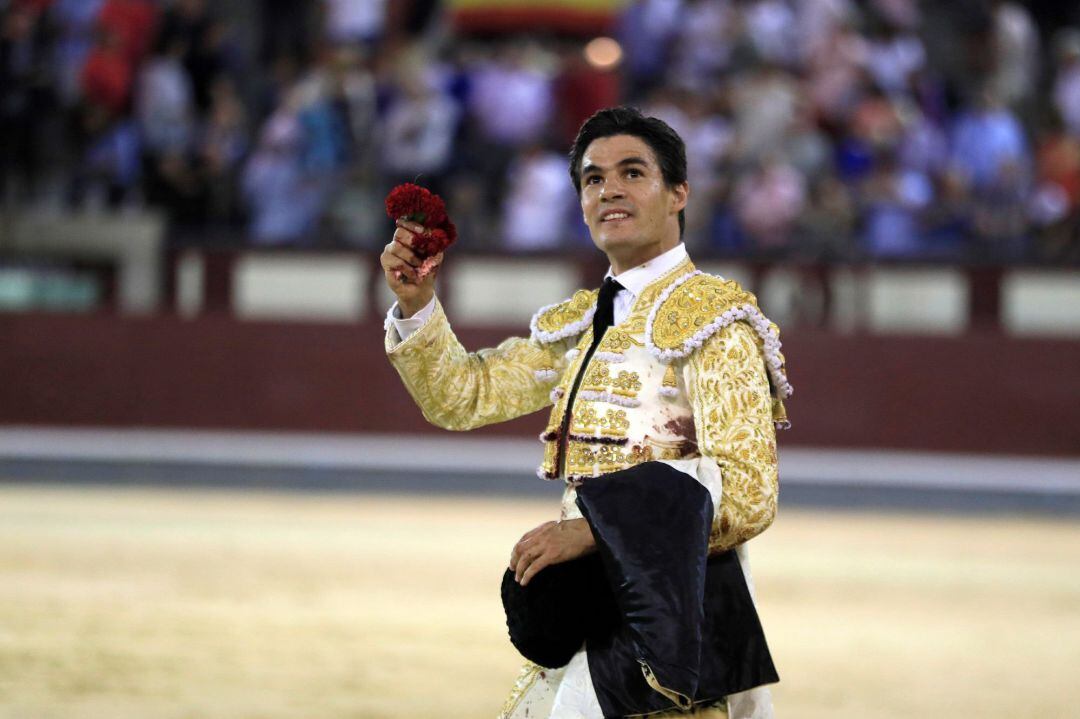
634, 281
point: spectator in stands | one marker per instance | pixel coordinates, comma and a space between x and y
355, 21
418, 132
74, 22
892, 200
707, 35
165, 103
107, 77
768, 201
283, 200
1015, 74
25, 97
109, 167
892, 58
1067, 80
539, 201
770, 28
988, 142
646, 31
131, 24
165, 112
1055, 204
221, 147
765, 100
999, 218
205, 40
827, 225
510, 104
825, 88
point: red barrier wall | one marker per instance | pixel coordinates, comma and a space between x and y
979, 393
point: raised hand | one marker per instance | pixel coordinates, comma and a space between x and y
400, 265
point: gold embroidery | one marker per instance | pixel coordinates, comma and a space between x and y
459, 390
568, 312
586, 460
694, 304
598, 378
669, 377
528, 676
555, 417
633, 326
733, 415
618, 340
587, 421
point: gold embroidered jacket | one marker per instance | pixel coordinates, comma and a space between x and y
693, 375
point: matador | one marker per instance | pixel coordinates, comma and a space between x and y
665, 382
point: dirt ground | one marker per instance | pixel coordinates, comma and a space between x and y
125, 604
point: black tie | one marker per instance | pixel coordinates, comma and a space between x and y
605, 308
603, 318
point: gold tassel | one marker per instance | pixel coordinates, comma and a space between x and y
669, 376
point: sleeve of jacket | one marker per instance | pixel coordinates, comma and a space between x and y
733, 416
460, 390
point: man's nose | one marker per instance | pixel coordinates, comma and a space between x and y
611, 190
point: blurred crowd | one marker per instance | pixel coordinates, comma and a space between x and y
815, 129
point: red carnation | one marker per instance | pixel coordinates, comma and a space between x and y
418, 204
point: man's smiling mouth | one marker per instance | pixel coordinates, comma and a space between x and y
613, 216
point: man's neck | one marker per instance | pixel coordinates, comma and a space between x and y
637, 278
622, 264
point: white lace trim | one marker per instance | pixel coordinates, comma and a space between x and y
544, 475
612, 357
572, 353
574, 328
594, 396
669, 391
748, 313
545, 375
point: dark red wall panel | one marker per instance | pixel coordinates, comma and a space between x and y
979, 393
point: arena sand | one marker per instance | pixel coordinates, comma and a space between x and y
146, 604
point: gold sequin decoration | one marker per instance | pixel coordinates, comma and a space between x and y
617, 340
586, 460
568, 312
670, 379
588, 421
598, 378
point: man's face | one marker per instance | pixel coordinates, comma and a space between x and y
632, 215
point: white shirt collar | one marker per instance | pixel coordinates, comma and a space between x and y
637, 279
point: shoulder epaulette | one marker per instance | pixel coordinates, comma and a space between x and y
564, 319
695, 307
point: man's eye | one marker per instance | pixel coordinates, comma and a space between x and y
592, 180
634, 173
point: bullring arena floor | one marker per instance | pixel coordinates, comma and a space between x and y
148, 602
127, 602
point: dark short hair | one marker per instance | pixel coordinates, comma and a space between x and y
669, 148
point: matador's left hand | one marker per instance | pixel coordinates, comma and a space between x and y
550, 543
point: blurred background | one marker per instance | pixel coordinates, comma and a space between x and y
216, 497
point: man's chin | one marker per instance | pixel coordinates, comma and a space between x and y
608, 241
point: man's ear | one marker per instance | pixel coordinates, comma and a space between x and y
680, 193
